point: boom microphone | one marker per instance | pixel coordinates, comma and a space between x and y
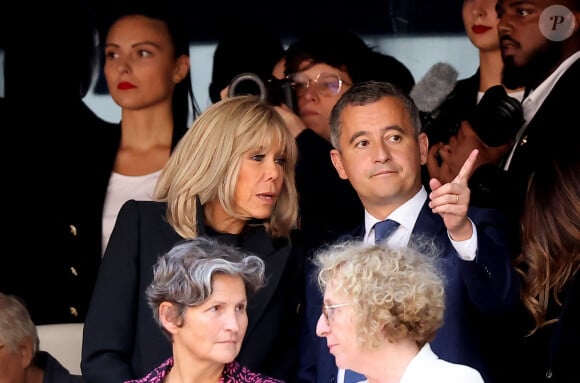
430, 92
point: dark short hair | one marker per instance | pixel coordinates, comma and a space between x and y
345, 50
365, 93
243, 49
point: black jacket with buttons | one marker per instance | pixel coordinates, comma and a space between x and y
55, 267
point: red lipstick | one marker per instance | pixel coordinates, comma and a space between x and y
480, 29
125, 85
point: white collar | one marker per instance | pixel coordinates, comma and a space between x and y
406, 214
539, 94
533, 101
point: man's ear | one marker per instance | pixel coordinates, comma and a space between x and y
336, 159
423, 142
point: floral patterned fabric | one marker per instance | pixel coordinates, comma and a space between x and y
233, 373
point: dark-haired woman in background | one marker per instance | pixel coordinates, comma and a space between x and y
147, 70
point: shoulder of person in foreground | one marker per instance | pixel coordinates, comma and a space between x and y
460, 373
54, 371
440, 370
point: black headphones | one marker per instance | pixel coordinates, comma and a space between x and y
497, 117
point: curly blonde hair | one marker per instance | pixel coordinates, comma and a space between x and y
395, 292
206, 162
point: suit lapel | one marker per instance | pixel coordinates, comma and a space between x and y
555, 111
430, 227
255, 240
428, 224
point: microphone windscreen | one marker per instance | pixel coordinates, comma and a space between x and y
430, 92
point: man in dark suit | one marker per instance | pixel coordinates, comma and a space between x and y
378, 147
540, 51
540, 47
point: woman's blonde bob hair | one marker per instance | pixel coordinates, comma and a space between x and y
206, 162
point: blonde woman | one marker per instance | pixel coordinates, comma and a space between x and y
231, 177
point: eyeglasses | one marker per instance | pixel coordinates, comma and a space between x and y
328, 310
327, 84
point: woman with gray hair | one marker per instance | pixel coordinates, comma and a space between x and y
20, 358
198, 298
382, 306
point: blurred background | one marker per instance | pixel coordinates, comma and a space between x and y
419, 33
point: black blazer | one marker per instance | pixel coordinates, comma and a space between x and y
552, 133
121, 340
551, 353
565, 341
56, 275
64, 251
54, 372
329, 206
487, 284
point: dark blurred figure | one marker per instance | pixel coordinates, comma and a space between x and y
460, 123
55, 276
244, 47
480, 25
490, 126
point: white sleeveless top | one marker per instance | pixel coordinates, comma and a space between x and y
122, 188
